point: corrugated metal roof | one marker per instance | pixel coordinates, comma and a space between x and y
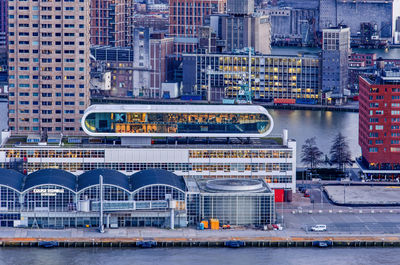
51, 176
155, 177
110, 176
11, 178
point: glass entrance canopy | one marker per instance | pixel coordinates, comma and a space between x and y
177, 120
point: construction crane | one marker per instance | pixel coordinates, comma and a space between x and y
244, 94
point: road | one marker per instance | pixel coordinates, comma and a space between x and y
365, 223
353, 174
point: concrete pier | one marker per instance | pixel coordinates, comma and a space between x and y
210, 242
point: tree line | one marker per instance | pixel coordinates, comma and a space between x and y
339, 153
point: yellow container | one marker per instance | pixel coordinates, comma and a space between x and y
214, 224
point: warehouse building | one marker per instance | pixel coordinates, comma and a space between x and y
271, 76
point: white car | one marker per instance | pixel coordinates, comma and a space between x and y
318, 228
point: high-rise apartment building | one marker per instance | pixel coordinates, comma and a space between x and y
48, 66
185, 18
241, 27
110, 22
151, 62
161, 48
379, 124
335, 56
241, 31
101, 22
240, 7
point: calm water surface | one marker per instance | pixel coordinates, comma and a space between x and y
199, 256
324, 125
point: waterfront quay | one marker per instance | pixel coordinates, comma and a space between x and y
350, 107
345, 228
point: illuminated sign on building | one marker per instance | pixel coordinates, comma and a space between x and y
48, 192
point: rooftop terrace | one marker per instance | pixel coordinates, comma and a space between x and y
272, 141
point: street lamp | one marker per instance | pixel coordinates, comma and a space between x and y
344, 193
101, 224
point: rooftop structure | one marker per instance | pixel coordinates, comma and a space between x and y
177, 120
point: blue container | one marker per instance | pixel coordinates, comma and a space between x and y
190, 97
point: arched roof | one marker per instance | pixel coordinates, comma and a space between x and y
50, 176
156, 176
112, 177
11, 178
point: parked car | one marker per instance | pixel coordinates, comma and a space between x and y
318, 228
302, 189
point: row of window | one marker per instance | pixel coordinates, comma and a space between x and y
192, 154
376, 149
34, 51
45, 26
239, 154
184, 167
47, 103
268, 179
48, 129
35, 111
25, 85
81, 1
43, 120
44, 17
35, 94
55, 153
46, 43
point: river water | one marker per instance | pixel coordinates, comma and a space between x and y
324, 125
199, 256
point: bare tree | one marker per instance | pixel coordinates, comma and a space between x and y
310, 153
340, 152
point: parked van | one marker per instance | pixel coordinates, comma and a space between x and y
318, 228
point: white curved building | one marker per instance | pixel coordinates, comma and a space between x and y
177, 120
206, 141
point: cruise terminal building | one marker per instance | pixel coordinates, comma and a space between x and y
222, 161
53, 198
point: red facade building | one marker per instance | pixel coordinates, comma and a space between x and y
379, 125
185, 18
367, 59
110, 22
160, 50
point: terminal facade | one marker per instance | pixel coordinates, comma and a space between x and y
53, 198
